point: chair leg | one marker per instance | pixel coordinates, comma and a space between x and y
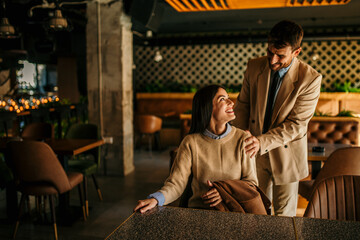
86, 196
37, 202
28, 204
44, 209
53, 217
22, 202
150, 145
82, 201
141, 141
97, 187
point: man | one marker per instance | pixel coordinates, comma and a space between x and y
276, 102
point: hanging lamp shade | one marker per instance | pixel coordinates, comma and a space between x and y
58, 22
6, 29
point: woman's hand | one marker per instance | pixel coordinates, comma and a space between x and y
145, 205
212, 196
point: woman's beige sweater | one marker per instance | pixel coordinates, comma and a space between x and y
208, 159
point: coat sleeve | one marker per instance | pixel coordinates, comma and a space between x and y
242, 105
175, 184
295, 125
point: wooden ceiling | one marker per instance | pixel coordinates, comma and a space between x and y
220, 5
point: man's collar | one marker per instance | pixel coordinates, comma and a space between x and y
283, 71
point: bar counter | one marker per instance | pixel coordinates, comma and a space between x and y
186, 223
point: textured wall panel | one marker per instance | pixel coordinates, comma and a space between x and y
199, 65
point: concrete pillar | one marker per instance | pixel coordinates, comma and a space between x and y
110, 93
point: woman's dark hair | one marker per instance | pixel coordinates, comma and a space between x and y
202, 107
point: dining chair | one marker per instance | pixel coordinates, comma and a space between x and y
39, 115
6, 121
40, 173
148, 125
88, 162
335, 192
38, 131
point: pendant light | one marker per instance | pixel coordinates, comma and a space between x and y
6, 29
58, 22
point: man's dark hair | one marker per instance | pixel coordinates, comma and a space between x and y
202, 107
286, 33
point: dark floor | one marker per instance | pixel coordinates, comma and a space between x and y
120, 196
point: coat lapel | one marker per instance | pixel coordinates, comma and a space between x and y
287, 86
263, 84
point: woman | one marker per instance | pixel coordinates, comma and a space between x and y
212, 151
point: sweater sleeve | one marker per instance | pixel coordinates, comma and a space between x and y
248, 167
176, 183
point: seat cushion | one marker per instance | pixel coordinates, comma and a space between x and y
86, 167
38, 189
75, 178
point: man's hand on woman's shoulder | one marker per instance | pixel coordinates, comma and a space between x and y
252, 145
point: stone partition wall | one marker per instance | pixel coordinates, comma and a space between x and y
111, 100
199, 65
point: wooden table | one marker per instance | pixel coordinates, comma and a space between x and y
72, 147
323, 156
186, 223
185, 120
317, 158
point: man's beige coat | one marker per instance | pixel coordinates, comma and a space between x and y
286, 140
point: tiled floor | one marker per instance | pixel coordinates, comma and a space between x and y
120, 196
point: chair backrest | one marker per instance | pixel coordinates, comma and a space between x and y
39, 115
82, 131
336, 190
85, 131
148, 123
38, 131
35, 162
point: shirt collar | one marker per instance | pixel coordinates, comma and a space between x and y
217, 137
283, 71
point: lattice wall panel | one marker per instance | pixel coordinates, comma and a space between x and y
200, 65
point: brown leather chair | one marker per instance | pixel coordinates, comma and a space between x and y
335, 192
40, 173
38, 131
344, 130
148, 125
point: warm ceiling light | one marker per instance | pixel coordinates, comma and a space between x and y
217, 5
158, 57
58, 22
6, 29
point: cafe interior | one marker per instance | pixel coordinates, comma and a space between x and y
96, 96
